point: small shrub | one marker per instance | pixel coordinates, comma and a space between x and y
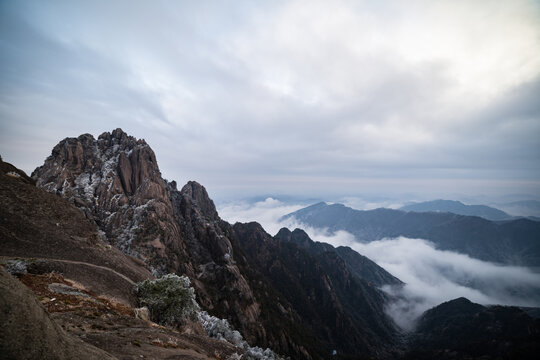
170, 299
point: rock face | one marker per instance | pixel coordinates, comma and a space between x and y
115, 180
27, 331
304, 306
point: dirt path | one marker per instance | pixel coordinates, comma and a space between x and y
5, 258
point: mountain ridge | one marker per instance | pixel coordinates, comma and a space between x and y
457, 207
511, 242
359, 265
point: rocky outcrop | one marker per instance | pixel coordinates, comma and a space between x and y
116, 181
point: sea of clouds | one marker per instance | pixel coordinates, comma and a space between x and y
431, 276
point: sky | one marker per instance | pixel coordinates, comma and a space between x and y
313, 99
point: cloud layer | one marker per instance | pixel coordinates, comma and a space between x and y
432, 276
298, 97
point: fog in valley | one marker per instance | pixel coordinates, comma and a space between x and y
431, 276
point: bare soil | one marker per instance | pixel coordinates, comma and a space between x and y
113, 327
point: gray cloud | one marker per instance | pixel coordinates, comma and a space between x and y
299, 97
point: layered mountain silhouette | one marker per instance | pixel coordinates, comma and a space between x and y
513, 242
459, 208
526, 208
100, 218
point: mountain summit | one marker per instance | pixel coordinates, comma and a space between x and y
275, 292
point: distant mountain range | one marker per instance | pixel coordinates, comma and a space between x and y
526, 209
510, 242
459, 208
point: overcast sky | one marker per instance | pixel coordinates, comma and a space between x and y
307, 98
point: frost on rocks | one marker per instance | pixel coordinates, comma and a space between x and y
87, 172
16, 267
109, 165
88, 184
129, 232
221, 330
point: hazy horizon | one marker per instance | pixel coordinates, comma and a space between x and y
382, 101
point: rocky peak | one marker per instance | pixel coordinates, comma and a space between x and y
119, 137
116, 181
84, 162
239, 272
301, 238
200, 197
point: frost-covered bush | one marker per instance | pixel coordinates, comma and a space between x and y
221, 330
170, 299
257, 353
